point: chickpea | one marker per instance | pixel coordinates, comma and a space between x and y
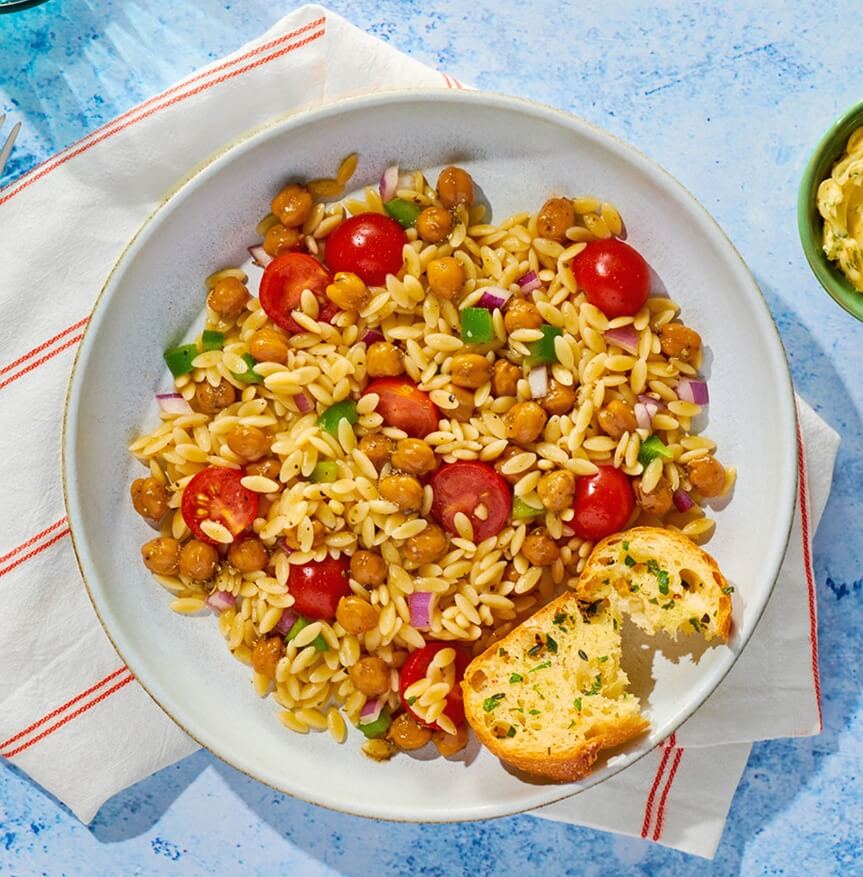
454, 187
368, 568
659, 501
279, 239
356, 615
371, 676
249, 555
161, 556
228, 298
269, 345
559, 399
449, 744
348, 292
266, 655
465, 398
524, 422
554, 218
383, 360
426, 547
557, 490
150, 498
292, 205
414, 456
617, 418
540, 549
211, 400
269, 467
404, 490
521, 314
446, 277
378, 448
470, 370
707, 475
198, 561
248, 442
679, 341
434, 224
408, 734
318, 536
504, 379
509, 452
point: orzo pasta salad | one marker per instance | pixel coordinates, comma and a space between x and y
411, 438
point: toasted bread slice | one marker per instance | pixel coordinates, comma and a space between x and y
551, 694
663, 580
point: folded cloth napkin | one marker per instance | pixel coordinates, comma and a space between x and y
71, 715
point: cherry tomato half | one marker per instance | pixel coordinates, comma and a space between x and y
405, 406
415, 667
603, 503
317, 586
614, 276
283, 283
461, 487
216, 494
368, 244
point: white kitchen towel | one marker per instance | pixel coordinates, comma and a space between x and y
71, 715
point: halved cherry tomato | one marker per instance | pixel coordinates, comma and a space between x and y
405, 406
415, 667
368, 244
614, 276
603, 503
461, 487
283, 283
215, 494
317, 586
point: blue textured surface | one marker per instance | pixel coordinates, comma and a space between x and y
729, 98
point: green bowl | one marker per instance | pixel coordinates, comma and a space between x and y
809, 222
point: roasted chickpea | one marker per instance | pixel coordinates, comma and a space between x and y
426, 547
540, 549
348, 292
454, 187
150, 498
269, 467
557, 490
211, 400
434, 224
248, 555
371, 676
509, 452
383, 360
368, 568
707, 475
524, 422
407, 733
504, 379
617, 418
378, 448
292, 205
679, 341
269, 345
279, 239
659, 501
559, 399
521, 314
450, 744
404, 490
228, 298
319, 534
356, 615
470, 370
248, 442
414, 456
554, 218
446, 277
198, 561
465, 398
161, 556
266, 655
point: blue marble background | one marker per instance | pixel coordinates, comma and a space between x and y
730, 98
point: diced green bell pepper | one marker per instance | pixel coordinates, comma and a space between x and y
521, 510
476, 326
379, 726
330, 419
405, 213
542, 351
325, 473
318, 642
651, 448
211, 340
249, 376
179, 359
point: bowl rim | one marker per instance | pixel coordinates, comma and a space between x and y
272, 128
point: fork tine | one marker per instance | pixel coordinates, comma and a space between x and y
7, 147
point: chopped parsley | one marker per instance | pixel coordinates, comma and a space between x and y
551, 645
535, 650
411, 701
511, 731
501, 652
534, 712
603, 659
577, 704
583, 655
695, 623
596, 687
634, 589
668, 605
625, 546
728, 590
541, 666
629, 560
492, 702
515, 678
559, 618
661, 575
654, 601
653, 567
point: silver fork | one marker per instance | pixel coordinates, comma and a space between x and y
10, 142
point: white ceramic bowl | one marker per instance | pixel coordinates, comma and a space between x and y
518, 153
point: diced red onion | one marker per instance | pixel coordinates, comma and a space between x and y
642, 416
420, 609
173, 403
285, 623
389, 183
218, 601
529, 282
653, 404
494, 297
406, 180
682, 501
537, 378
372, 336
285, 548
624, 337
567, 531
371, 711
693, 391
304, 403
260, 256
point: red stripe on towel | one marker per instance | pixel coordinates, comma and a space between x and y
34, 552
657, 779
43, 345
660, 813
